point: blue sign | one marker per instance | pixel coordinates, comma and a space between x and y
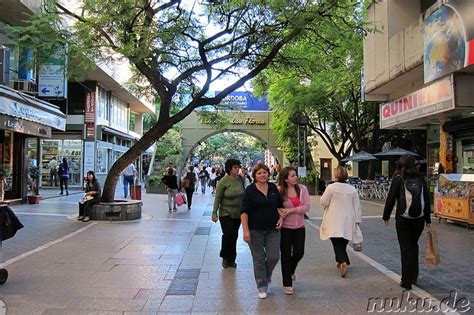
244, 101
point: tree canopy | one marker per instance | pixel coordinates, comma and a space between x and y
179, 49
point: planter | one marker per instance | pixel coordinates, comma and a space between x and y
155, 188
119, 210
34, 199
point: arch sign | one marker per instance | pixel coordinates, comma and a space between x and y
250, 116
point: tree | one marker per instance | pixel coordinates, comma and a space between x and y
323, 82
227, 145
179, 48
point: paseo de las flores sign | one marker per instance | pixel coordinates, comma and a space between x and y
247, 121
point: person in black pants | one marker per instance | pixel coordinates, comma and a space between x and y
296, 203
92, 191
189, 188
409, 226
63, 173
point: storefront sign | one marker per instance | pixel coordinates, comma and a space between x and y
244, 101
23, 126
90, 108
88, 156
12, 108
432, 99
90, 130
448, 38
247, 121
52, 75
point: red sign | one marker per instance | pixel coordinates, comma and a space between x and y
89, 116
90, 130
432, 99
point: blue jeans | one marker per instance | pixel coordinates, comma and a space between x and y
127, 181
265, 248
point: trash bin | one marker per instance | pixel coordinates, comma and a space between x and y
9, 225
136, 192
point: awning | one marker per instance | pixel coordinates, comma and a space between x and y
117, 133
24, 106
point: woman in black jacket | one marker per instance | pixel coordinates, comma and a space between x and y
171, 183
410, 192
91, 197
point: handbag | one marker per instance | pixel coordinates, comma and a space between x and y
431, 249
357, 238
180, 199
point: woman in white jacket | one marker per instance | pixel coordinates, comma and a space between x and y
342, 212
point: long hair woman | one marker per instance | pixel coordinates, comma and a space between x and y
296, 203
91, 197
342, 211
409, 222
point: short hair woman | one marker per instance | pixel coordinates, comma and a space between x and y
342, 211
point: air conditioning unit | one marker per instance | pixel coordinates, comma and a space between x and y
26, 86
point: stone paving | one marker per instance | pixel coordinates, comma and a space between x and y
169, 263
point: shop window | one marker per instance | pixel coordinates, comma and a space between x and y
102, 160
468, 161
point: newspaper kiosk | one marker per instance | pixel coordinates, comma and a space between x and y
454, 198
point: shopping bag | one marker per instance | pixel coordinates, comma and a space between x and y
180, 199
431, 249
357, 239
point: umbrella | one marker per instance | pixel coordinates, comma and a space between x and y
359, 157
395, 153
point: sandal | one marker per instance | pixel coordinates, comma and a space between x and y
79, 218
86, 219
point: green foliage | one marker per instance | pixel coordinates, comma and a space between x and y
223, 146
154, 179
168, 149
4, 171
34, 172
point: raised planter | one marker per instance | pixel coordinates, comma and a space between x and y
155, 188
119, 210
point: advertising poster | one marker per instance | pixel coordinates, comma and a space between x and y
448, 39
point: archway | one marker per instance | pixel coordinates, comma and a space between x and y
253, 123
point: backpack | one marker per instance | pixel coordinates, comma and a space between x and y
413, 197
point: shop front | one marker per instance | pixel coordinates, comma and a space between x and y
24, 120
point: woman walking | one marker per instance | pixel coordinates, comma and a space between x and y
409, 190
296, 203
91, 197
191, 180
63, 173
342, 212
229, 194
260, 222
171, 182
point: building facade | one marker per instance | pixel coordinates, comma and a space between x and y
419, 65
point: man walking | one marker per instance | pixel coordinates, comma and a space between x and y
53, 171
128, 178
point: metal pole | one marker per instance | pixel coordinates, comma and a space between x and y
299, 153
304, 152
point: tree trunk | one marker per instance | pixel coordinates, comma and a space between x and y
154, 134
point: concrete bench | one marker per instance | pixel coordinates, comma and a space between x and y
119, 210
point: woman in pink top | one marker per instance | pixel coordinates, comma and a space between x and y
296, 203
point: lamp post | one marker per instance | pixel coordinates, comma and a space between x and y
301, 121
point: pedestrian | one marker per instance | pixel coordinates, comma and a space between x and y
171, 182
63, 172
191, 180
53, 171
410, 191
212, 179
260, 223
91, 197
129, 174
203, 176
342, 211
196, 172
245, 176
227, 203
146, 167
296, 203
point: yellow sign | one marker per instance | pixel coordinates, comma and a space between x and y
247, 121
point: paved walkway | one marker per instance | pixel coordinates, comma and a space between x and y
170, 263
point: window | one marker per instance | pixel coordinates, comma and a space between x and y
102, 106
102, 160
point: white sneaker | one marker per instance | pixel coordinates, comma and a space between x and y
262, 295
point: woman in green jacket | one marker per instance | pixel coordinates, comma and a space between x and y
227, 203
